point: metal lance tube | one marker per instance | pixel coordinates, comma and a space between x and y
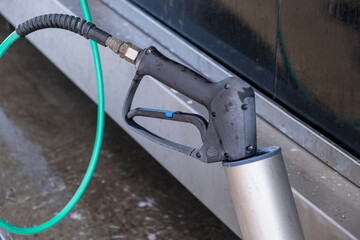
262, 197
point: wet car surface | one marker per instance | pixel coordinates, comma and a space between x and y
47, 132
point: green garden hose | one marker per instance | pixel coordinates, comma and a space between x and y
96, 151
8, 42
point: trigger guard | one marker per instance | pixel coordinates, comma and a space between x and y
143, 131
210, 151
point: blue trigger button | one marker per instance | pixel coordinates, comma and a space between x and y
169, 114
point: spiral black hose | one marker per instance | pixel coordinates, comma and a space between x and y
64, 21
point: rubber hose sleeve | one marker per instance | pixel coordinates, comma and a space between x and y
64, 21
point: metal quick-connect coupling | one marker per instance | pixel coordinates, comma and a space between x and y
126, 50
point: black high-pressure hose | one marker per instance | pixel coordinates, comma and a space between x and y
64, 21
126, 50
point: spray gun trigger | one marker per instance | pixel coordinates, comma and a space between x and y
198, 121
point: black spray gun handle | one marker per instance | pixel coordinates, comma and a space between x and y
230, 133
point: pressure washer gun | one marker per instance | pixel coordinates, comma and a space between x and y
257, 178
230, 133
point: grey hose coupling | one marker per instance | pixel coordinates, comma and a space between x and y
126, 50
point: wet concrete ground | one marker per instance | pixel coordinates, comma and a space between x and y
47, 129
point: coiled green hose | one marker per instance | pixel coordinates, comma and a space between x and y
98, 140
